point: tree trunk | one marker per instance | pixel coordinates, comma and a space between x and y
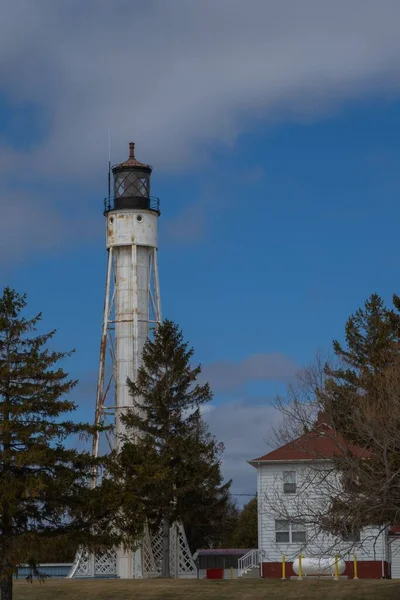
6, 587
165, 560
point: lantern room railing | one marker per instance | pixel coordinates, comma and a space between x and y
154, 203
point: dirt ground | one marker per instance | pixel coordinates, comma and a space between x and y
259, 589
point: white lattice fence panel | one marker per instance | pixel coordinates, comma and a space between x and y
83, 564
186, 565
150, 567
157, 546
105, 564
181, 563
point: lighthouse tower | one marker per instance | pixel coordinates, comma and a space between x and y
131, 310
131, 240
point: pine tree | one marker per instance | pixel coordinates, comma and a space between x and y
214, 526
372, 337
246, 533
361, 397
168, 461
45, 490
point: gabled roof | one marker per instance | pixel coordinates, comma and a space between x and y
322, 443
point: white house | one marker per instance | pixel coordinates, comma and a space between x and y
294, 483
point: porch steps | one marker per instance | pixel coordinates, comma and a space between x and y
252, 573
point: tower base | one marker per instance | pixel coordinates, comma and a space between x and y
143, 563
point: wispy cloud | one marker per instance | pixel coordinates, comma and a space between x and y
31, 225
245, 429
177, 77
189, 226
226, 375
182, 76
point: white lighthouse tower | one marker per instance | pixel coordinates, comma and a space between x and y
131, 240
131, 310
132, 288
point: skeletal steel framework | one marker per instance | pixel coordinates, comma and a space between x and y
132, 309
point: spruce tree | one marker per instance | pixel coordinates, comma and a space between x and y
168, 461
214, 526
372, 337
246, 533
361, 398
45, 490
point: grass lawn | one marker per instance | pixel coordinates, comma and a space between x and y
257, 589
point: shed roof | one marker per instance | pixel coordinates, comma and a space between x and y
222, 551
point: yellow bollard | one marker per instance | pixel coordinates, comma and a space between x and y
336, 567
231, 572
283, 566
355, 567
300, 566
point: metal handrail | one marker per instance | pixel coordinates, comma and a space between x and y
248, 561
154, 203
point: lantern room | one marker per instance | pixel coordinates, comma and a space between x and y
132, 185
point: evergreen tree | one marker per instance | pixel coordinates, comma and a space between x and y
228, 525
44, 486
246, 532
58, 549
168, 461
214, 526
361, 397
372, 346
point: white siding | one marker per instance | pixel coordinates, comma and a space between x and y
310, 497
259, 509
395, 548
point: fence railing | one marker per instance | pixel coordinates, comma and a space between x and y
248, 561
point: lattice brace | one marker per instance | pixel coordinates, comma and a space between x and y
150, 566
83, 565
157, 548
105, 563
186, 565
87, 564
181, 562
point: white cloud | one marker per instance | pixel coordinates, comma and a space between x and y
245, 429
226, 375
179, 76
188, 226
30, 225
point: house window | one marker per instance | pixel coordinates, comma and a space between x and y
287, 532
289, 482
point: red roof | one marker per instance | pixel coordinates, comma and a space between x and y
131, 162
319, 444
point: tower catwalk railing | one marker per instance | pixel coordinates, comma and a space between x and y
151, 203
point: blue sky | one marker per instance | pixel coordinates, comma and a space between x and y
278, 180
